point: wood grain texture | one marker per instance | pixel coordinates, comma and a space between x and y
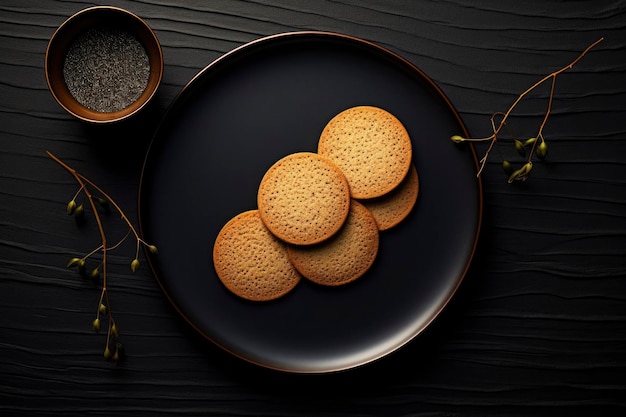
537, 328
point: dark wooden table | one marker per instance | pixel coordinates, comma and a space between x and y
538, 326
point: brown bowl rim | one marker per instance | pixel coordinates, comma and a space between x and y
76, 24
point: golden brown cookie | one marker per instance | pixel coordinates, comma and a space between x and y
370, 146
251, 262
344, 257
304, 198
395, 206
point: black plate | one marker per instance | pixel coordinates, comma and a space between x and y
242, 113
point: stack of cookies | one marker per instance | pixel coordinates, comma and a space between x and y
320, 214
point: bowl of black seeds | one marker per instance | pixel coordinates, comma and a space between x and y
103, 64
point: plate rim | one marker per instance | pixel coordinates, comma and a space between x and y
357, 41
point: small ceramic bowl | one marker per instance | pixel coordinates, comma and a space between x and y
71, 92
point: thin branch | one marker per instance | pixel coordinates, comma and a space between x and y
537, 84
522, 173
84, 180
104, 305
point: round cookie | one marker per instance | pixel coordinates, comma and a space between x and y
370, 146
251, 262
344, 257
392, 208
304, 198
